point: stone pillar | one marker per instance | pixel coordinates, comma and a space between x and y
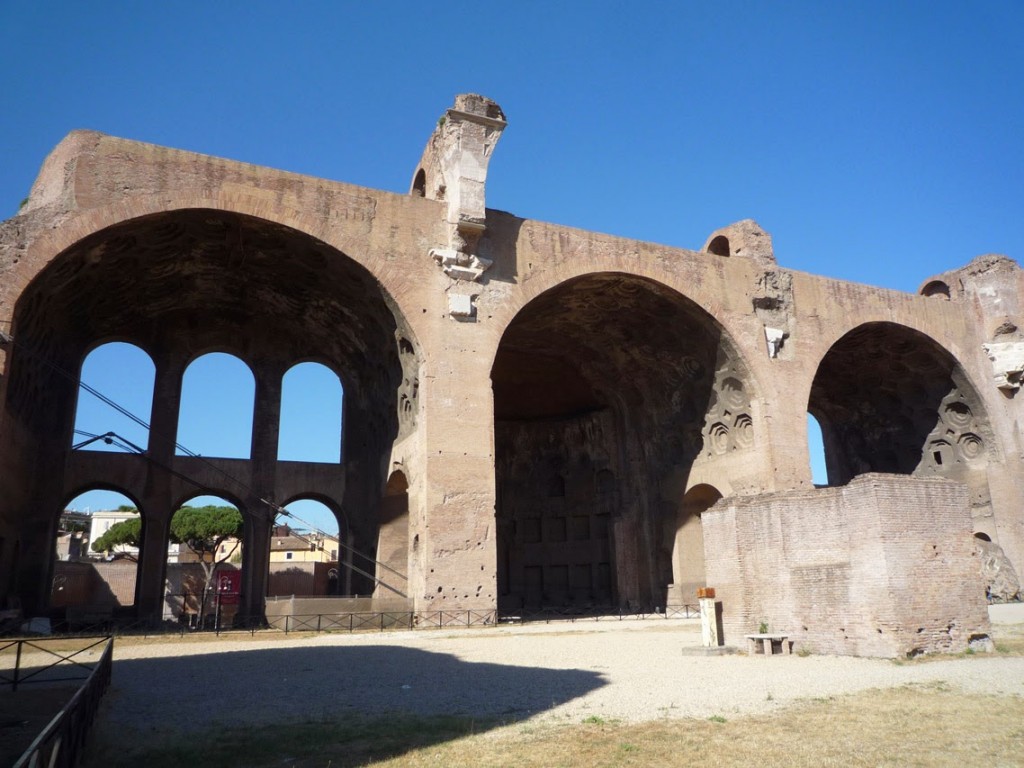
35, 564
458, 534
157, 500
708, 618
37, 519
363, 485
259, 516
150, 573
255, 562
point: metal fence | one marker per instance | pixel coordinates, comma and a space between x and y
61, 742
45, 661
599, 613
358, 621
383, 620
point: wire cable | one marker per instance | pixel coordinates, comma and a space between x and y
112, 438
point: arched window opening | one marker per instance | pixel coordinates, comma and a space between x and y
393, 538
719, 246
890, 399
688, 552
936, 288
204, 559
308, 555
419, 184
816, 452
96, 551
123, 374
982, 536
311, 414
217, 396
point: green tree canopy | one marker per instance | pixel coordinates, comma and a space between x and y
204, 529
127, 533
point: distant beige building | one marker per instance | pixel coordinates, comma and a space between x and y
289, 546
103, 520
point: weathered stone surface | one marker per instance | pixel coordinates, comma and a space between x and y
558, 447
744, 238
1007, 363
884, 566
454, 169
1001, 581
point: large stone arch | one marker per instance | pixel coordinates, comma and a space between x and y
188, 280
609, 388
889, 398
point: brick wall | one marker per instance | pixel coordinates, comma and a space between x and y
884, 566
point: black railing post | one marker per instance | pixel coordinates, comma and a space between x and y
17, 667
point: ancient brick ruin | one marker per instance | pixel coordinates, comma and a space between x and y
535, 416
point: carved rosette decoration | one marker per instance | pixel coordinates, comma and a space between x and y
728, 425
956, 439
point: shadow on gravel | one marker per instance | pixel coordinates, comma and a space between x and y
174, 701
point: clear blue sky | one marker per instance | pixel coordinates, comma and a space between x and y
878, 142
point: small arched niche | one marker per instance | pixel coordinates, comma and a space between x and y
719, 246
688, 552
936, 289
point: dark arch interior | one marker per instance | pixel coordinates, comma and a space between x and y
889, 399
203, 279
182, 283
936, 288
605, 391
719, 246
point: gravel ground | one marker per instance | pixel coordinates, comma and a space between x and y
630, 671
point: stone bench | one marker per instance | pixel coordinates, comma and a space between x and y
767, 641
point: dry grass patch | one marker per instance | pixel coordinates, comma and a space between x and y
910, 726
1009, 640
902, 727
